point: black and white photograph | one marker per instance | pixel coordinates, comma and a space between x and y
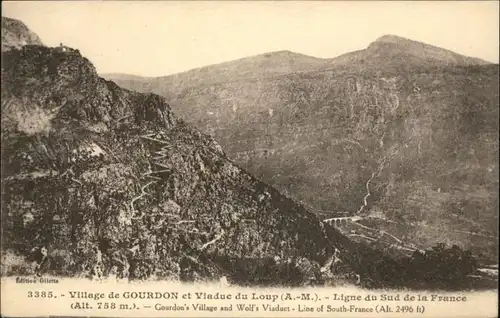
257, 144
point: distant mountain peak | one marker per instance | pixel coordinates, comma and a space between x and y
282, 54
404, 43
391, 38
395, 51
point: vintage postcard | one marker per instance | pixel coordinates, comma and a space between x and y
250, 159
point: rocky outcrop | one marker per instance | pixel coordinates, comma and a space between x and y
16, 34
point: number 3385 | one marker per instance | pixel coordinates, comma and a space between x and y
40, 294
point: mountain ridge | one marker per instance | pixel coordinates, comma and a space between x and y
264, 58
384, 39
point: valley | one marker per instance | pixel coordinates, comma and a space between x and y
400, 129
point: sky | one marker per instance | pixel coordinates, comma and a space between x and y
164, 37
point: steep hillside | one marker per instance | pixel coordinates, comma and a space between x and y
16, 34
404, 132
98, 180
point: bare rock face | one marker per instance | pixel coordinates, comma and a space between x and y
16, 34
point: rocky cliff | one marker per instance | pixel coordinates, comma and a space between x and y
16, 34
